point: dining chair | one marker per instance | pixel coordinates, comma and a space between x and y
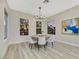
41, 42
51, 40
32, 42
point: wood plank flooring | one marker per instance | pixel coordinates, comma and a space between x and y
59, 51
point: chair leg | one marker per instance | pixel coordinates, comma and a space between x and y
52, 44
46, 43
38, 47
44, 46
30, 46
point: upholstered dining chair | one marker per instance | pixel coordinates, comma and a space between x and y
41, 42
51, 40
31, 42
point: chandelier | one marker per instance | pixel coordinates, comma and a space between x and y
40, 16
40, 13
45, 1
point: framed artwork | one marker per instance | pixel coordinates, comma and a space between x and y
70, 26
24, 23
51, 29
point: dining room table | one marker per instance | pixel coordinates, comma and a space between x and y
36, 37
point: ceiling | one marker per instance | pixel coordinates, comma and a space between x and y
48, 9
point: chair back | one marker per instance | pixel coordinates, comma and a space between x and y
30, 40
42, 41
50, 39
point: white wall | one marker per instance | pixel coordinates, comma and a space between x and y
3, 43
14, 33
15, 26
44, 27
69, 14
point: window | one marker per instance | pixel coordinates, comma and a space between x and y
38, 27
5, 24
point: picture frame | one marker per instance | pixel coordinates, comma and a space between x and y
24, 24
51, 28
70, 26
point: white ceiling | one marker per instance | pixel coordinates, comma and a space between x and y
48, 9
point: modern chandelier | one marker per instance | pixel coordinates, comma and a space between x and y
45, 1
40, 16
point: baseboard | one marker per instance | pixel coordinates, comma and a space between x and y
26, 41
9, 45
16, 42
3, 54
76, 45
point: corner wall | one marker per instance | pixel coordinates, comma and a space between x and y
65, 38
3, 43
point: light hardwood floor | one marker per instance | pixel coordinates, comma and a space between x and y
59, 51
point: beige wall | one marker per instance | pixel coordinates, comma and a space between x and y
14, 33
3, 43
14, 22
69, 14
44, 26
14, 26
